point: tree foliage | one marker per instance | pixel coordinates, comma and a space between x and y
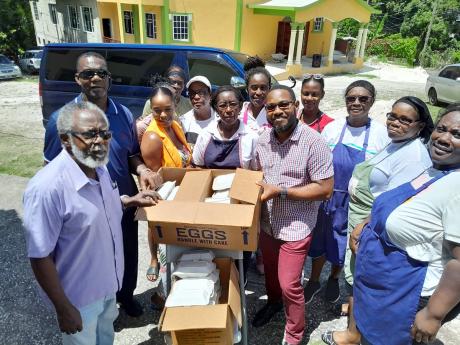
411, 18
16, 27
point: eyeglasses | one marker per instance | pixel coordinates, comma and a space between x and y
309, 76
283, 105
402, 120
361, 99
92, 135
90, 73
225, 105
200, 93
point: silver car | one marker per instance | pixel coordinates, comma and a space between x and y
444, 86
30, 61
8, 70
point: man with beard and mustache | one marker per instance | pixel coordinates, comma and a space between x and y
72, 219
124, 159
298, 173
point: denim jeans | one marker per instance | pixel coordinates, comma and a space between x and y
98, 319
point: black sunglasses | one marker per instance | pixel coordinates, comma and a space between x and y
361, 99
90, 73
91, 135
283, 105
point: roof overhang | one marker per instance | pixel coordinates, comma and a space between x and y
290, 7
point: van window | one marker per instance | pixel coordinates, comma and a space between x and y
136, 67
217, 71
61, 63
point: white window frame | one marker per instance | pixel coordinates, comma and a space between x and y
91, 23
53, 13
318, 24
153, 24
76, 17
36, 15
178, 18
131, 20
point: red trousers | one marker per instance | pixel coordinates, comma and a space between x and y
283, 262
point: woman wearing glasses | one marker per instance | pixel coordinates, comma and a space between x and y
311, 94
409, 126
163, 145
399, 260
258, 83
352, 140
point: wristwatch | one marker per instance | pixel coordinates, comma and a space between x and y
284, 193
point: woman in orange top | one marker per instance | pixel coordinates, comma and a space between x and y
163, 145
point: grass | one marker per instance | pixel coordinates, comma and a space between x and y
434, 110
19, 155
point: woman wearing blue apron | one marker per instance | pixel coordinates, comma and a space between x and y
226, 143
399, 260
350, 148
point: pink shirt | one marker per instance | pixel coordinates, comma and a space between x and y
301, 159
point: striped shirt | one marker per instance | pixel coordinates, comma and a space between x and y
301, 159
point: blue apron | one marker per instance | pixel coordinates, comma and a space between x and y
222, 154
330, 233
387, 282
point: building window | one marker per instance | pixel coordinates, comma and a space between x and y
151, 25
87, 16
34, 4
73, 17
318, 26
180, 27
52, 8
129, 22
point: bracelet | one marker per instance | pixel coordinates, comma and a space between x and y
146, 170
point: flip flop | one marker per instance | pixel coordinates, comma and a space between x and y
153, 271
328, 338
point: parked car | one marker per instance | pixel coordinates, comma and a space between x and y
131, 66
444, 86
8, 70
30, 60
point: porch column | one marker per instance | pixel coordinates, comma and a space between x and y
364, 40
358, 41
141, 23
330, 58
121, 22
301, 27
292, 44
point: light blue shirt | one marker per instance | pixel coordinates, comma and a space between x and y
77, 221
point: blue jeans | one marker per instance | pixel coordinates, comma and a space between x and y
98, 319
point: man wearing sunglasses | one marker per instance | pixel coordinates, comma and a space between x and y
94, 80
72, 220
297, 167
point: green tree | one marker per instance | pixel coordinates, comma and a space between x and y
16, 27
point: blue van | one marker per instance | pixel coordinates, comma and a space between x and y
131, 66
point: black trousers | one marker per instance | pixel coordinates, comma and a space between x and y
131, 255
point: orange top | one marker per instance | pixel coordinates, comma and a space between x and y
171, 156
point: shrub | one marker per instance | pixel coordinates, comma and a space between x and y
395, 47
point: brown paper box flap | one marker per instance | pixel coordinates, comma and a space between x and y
196, 317
234, 298
244, 186
224, 214
194, 186
174, 212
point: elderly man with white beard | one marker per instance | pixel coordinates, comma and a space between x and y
72, 219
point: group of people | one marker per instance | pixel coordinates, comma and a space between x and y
376, 202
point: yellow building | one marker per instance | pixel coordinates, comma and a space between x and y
297, 29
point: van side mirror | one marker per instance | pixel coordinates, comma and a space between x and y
237, 82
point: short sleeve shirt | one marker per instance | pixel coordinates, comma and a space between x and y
301, 159
124, 144
193, 127
76, 221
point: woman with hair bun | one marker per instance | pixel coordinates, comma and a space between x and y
258, 83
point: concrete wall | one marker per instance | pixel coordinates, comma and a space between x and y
45, 30
109, 10
79, 35
213, 21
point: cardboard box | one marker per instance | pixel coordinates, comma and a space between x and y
188, 221
206, 325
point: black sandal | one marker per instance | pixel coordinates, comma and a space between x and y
328, 338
